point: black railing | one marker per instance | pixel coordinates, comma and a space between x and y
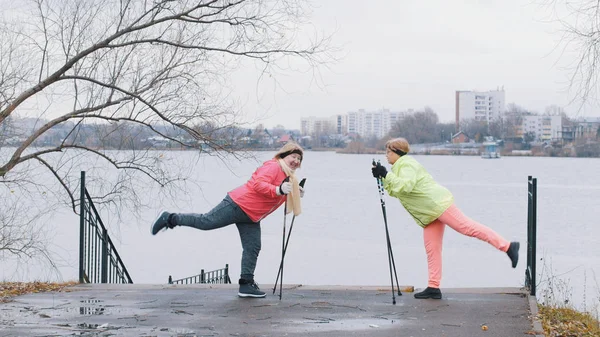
215, 276
99, 261
531, 234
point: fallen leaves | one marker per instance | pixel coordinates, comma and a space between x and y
559, 322
8, 290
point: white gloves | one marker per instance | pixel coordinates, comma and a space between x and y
284, 188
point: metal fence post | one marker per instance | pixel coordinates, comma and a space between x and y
81, 225
527, 270
530, 272
534, 237
104, 266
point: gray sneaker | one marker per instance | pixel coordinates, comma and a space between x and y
249, 288
161, 223
513, 253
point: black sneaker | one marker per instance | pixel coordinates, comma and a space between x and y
513, 253
249, 288
161, 223
429, 292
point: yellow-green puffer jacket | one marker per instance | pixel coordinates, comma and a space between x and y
422, 197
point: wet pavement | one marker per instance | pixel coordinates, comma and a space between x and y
215, 310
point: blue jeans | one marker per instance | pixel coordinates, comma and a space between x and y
224, 214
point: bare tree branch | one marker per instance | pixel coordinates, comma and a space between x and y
98, 75
580, 35
16, 157
60, 180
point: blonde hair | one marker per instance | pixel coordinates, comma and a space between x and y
289, 148
398, 144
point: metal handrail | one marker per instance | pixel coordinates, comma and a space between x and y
215, 276
99, 261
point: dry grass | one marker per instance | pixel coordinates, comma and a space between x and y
8, 290
567, 322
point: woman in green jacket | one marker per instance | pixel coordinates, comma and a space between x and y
432, 207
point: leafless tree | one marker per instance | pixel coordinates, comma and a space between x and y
554, 110
505, 127
580, 22
356, 147
419, 127
475, 129
21, 235
159, 65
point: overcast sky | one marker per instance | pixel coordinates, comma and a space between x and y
407, 54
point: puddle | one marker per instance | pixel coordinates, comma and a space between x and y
92, 308
71, 309
327, 324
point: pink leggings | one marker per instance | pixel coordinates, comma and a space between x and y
433, 235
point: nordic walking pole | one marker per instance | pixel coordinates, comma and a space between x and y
286, 245
282, 248
391, 261
283, 238
389, 243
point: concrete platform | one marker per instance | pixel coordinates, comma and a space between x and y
205, 310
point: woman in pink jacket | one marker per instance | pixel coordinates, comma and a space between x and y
246, 206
